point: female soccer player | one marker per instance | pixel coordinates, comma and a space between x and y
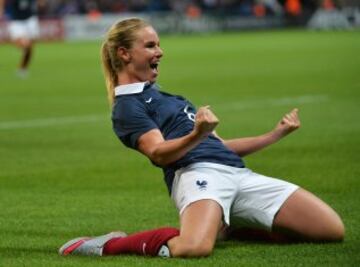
205, 174
23, 28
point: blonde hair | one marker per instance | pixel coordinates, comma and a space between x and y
120, 34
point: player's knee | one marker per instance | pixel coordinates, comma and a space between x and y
337, 232
201, 249
196, 249
204, 249
332, 229
24, 43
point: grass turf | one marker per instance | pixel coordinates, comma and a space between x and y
64, 174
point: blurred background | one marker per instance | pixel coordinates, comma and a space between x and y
80, 19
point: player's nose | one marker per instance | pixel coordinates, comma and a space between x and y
159, 52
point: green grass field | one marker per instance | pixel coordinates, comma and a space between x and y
64, 174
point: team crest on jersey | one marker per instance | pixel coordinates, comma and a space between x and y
202, 184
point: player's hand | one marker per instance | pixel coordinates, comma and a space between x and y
289, 123
205, 121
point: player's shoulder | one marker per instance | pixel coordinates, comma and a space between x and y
126, 104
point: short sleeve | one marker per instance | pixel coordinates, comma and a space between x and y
130, 120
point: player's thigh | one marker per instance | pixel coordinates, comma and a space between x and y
201, 220
200, 223
307, 217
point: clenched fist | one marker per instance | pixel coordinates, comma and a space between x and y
289, 123
205, 121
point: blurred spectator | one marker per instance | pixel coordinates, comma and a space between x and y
193, 11
66, 7
159, 5
272, 5
210, 4
138, 5
59, 8
293, 7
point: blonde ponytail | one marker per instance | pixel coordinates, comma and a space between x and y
120, 34
110, 75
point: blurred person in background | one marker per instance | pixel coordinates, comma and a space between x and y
23, 28
272, 5
204, 173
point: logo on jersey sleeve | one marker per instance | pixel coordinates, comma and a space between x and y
202, 184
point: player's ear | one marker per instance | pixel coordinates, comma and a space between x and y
123, 54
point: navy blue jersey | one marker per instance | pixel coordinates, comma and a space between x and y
141, 107
21, 9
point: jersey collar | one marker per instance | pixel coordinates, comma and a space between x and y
131, 88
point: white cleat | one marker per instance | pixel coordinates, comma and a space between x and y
22, 73
88, 246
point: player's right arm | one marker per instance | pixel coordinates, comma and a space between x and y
163, 152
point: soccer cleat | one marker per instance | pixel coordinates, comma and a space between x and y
88, 246
22, 73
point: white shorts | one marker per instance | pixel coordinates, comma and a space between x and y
247, 198
27, 29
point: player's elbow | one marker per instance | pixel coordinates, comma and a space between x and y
159, 158
158, 161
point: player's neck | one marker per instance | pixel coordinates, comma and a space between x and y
127, 77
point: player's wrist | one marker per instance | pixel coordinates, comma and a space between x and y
276, 134
196, 134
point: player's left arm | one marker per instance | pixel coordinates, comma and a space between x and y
247, 145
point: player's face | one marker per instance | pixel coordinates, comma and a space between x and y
145, 56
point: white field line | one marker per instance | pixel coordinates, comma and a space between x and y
55, 121
272, 102
238, 105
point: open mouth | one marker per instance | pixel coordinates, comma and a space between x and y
154, 66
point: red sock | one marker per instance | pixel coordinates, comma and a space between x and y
143, 243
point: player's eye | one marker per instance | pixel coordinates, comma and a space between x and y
150, 45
